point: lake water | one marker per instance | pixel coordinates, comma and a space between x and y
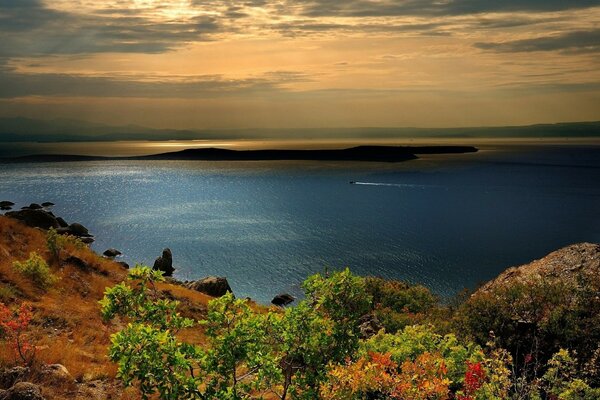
448, 222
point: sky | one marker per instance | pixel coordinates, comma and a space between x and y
301, 63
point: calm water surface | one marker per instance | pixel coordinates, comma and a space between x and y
448, 221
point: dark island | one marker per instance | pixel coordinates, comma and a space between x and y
360, 153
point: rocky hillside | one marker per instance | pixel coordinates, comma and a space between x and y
567, 265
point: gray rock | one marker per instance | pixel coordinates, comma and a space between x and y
112, 253
214, 286
164, 263
283, 299
35, 218
23, 391
79, 230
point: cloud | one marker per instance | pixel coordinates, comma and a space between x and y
370, 8
14, 84
29, 28
578, 41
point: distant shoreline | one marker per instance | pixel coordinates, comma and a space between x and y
359, 153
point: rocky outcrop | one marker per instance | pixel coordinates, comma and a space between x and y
6, 205
56, 373
164, 263
283, 299
32, 206
79, 230
62, 222
22, 391
567, 265
35, 218
369, 326
10, 376
111, 253
214, 286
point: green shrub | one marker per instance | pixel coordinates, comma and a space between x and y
56, 243
36, 269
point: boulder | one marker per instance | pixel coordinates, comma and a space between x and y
78, 262
87, 240
5, 208
10, 376
164, 263
112, 253
56, 373
5, 203
62, 222
32, 206
79, 230
47, 204
23, 391
214, 286
369, 326
283, 299
123, 264
35, 218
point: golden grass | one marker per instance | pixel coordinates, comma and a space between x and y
67, 327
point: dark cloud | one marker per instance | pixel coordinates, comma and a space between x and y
370, 8
578, 41
14, 84
28, 28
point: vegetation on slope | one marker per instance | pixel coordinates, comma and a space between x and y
535, 337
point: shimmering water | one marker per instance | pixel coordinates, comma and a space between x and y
448, 222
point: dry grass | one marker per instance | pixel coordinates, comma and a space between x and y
67, 327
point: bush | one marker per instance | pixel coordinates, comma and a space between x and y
36, 269
56, 243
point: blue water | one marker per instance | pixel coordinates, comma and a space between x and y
448, 222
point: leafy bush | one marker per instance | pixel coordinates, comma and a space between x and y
36, 269
56, 243
13, 329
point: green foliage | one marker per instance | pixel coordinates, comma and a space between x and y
36, 269
239, 360
416, 340
397, 304
533, 320
147, 351
56, 243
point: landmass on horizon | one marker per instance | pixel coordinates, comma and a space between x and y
359, 153
20, 129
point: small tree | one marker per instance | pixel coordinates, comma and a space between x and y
13, 328
36, 269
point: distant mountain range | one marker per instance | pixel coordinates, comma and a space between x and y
20, 129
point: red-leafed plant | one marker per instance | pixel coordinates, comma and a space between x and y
474, 379
13, 329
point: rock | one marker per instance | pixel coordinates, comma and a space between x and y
87, 240
35, 218
79, 230
112, 253
123, 264
78, 262
33, 206
213, 286
56, 372
23, 391
164, 263
62, 222
5, 203
567, 265
10, 376
283, 299
5, 208
369, 326
47, 204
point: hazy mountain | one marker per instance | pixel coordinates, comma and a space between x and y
19, 129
